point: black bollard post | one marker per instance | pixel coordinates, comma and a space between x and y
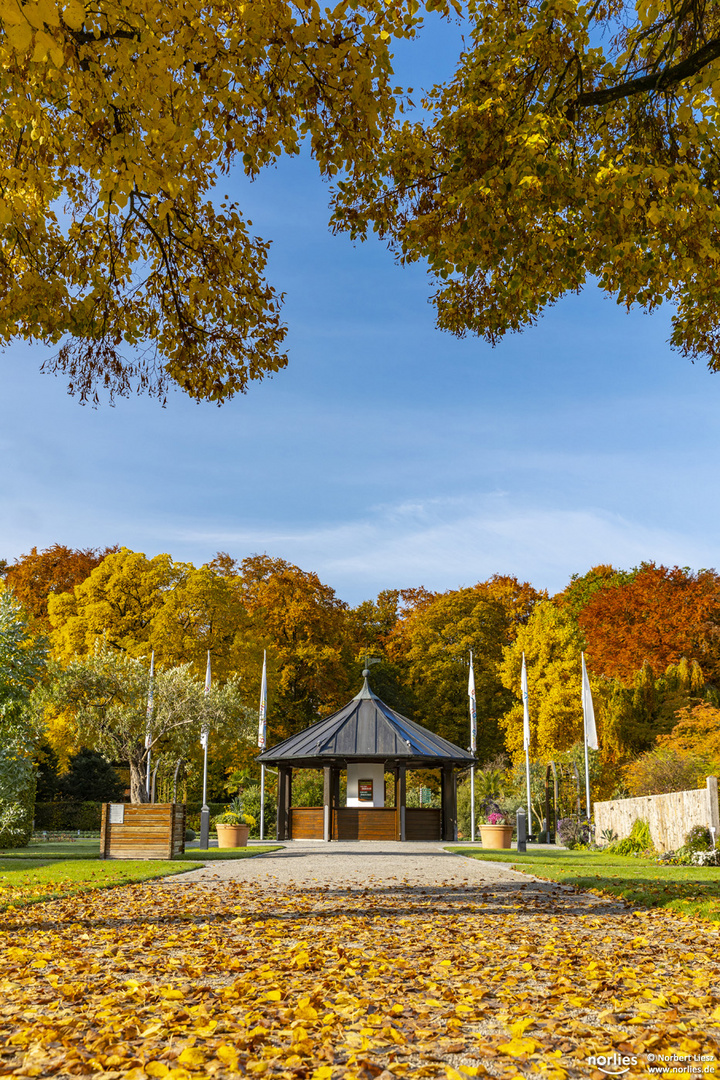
521, 830
205, 828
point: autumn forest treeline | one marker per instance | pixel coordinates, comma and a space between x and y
651, 637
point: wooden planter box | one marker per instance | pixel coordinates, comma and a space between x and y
496, 836
142, 830
232, 835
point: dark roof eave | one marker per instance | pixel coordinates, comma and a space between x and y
312, 762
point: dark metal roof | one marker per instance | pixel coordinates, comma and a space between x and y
366, 729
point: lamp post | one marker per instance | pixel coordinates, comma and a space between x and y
148, 723
526, 742
473, 743
205, 812
262, 735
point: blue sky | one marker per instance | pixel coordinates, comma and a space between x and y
388, 454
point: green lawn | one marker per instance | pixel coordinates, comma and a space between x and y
90, 849
688, 890
193, 854
36, 880
56, 849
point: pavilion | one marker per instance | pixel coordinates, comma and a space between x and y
367, 739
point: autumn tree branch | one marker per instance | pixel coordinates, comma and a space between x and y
660, 81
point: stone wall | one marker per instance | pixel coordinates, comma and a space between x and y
670, 817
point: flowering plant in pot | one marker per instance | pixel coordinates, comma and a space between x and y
496, 833
233, 826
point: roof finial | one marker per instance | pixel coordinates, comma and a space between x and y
366, 670
366, 691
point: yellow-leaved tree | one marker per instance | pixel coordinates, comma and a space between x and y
138, 605
234, 610
118, 119
552, 644
576, 141
431, 644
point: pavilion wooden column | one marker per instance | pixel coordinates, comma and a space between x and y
448, 799
284, 801
402, 792
335, 771
327, 802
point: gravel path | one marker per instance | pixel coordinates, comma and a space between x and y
353, 865
384, 867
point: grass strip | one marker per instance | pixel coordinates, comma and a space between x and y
686, 890
38, 881
75, 851
216, 854
58, 849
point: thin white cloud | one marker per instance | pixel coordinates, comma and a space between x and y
445, 543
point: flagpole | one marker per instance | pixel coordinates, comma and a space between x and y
262, 722
204, 735
148, 723
473, 743
262, 802
526, 741
589, 730
529, 802
587, 780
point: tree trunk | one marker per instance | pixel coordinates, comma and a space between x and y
138, 790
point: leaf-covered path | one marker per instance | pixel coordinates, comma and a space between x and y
362, 975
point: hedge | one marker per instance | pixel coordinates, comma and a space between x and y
67, 815
193, 812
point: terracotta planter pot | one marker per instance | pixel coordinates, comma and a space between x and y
233, 835
496, 836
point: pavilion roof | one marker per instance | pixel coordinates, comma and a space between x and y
366, 729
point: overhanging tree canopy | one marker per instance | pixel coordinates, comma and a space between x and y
575, 141
118, 119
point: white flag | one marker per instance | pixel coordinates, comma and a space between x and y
588, 711
208, 683
473, 707
262, 724
150, 704
526, 707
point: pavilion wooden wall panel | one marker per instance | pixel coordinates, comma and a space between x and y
306, 822
356, 823
423, 824
147, 830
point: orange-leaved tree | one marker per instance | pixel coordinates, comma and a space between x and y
55, 569
431, 644
659, 616
302, 624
